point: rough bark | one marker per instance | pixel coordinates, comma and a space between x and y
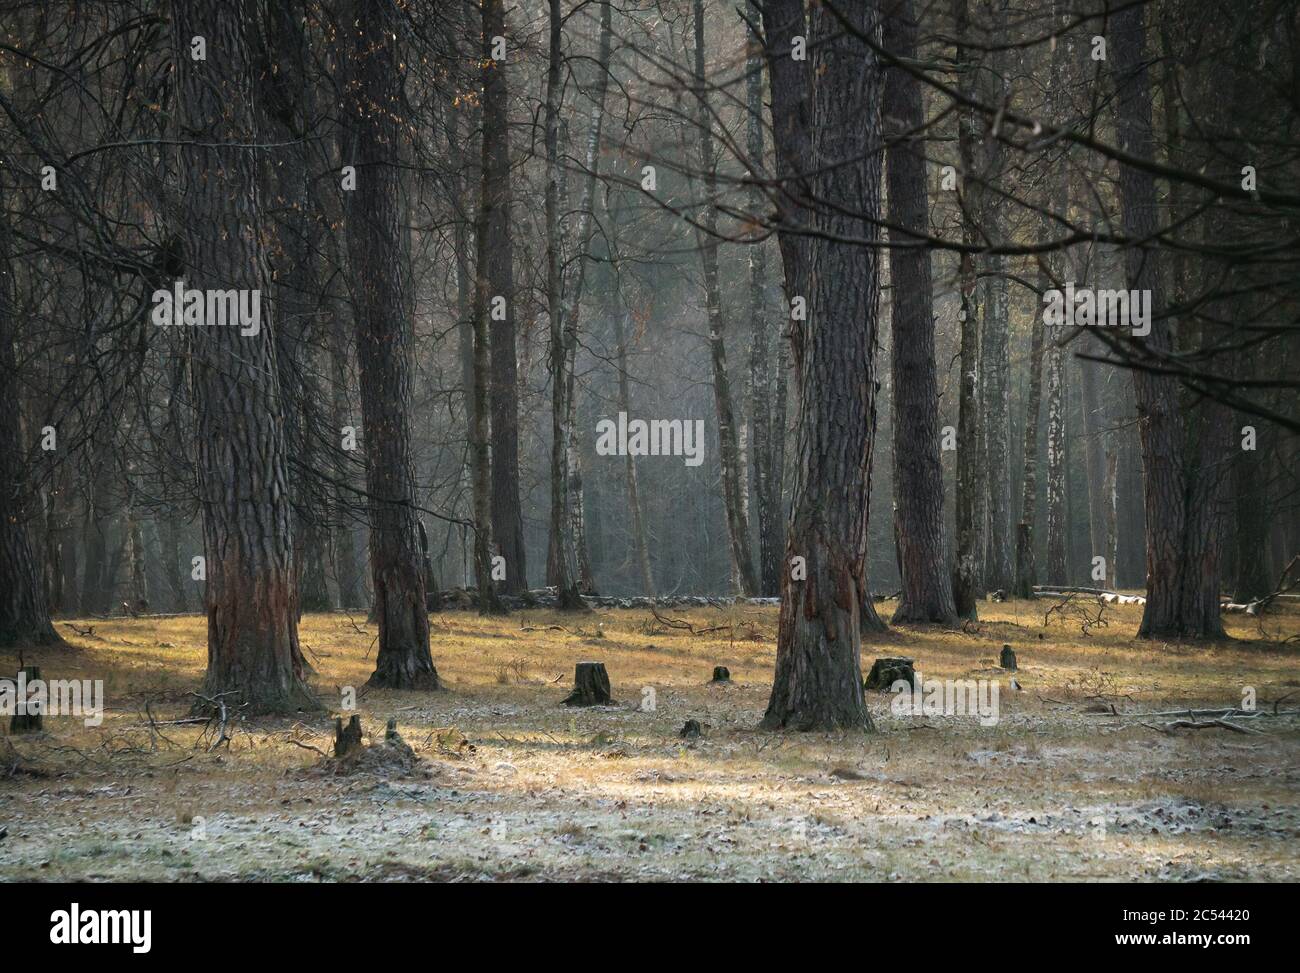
496, 273
294, 243
24, 611
918, 475
818, 680
1182, 597
379, 261
251, 597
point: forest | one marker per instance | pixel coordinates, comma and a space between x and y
595, 439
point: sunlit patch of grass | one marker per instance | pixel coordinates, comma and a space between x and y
500, 743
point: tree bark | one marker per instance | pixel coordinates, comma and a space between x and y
818, 680
927, 594
734, 486
968, 564
251, 600
24, 611
1057, 566
561, 568
379, 260
496, 272
1026, 567
1182, 563
295, 242
767, 487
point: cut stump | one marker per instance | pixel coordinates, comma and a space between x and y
28, 721
590, 685
887, 671
346, 739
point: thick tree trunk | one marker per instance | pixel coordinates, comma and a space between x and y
381, 298
783, 22
496, 272
295, 242
818, 680
1182, 543
927, 594
252, 601
24, 612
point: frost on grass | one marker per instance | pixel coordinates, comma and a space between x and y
496, 780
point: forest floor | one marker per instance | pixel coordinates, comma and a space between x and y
510, 784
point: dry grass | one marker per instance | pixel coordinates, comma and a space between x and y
521, 787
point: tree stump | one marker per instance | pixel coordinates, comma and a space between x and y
721, 674
887, 671
346, 739
1008, 658
590, 685
691, 730
24, 720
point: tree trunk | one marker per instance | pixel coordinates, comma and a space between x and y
24, 612
561, 568
1026, 569
295, 242
1182, 565
993, 85
379, 262
767, 488
1057, 566
1250, 508
496, 273
927, 594
818, 680
171, 555
734, 485
252, 601
1094, 432
347, 573
968, 564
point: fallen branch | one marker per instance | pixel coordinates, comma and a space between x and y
1208, 725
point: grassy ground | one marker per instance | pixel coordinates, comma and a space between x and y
513, 785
